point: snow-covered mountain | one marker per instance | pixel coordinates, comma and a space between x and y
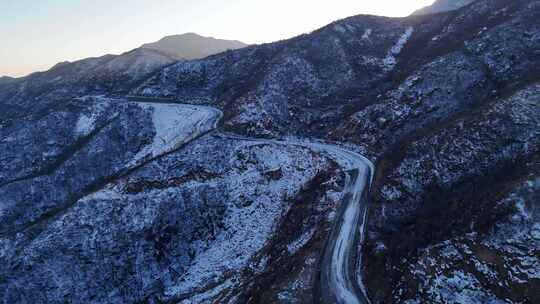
211, 180
117, 73
443, 6
192, 46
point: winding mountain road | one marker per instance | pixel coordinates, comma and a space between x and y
340, 279
340, 282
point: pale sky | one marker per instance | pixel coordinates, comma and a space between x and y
36, 34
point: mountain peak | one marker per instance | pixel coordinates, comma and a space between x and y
185, 35
192, 46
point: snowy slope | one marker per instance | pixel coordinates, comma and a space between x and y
175, 125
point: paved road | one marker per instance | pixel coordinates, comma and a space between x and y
340, 282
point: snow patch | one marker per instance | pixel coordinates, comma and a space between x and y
535, 231
461, 287
522, 212
390, 192
103, 195
85, 124
389, 62
87, 121
340, 28
208, 295
367, 33
300, 242
175, 125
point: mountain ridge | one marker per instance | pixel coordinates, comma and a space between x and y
6, 79
441, 6
191, 46
155, 49
117, 72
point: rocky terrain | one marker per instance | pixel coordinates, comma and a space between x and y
108, 198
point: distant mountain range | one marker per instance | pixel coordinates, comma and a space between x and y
115, 73
151, 56
442, 6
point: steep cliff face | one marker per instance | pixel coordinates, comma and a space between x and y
102, 201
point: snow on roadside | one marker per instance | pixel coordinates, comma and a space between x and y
175, 125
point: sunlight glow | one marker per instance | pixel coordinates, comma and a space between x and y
37, 34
